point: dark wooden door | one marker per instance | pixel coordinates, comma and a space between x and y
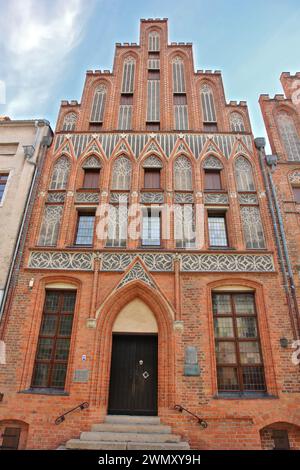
133, 376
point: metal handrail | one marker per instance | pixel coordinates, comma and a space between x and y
82, 406
201, 421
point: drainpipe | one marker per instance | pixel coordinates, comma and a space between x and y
283, 255
28, 151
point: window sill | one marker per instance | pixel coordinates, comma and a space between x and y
45, 391
221, 248
244, 396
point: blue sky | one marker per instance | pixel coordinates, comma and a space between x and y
46, 46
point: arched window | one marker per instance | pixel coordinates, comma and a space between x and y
153, 42
237, 122
60, 174
98, 104
244, 175
208, 105
70, 120
178, 75
128, 75
121, 176
183, 174
289, 136
50, 225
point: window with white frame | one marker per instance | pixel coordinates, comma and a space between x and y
183, 174
70, 121
289, 136
60, 173
184, 226
121, 174
98, 105
237, 122
50, 225
208, 105
252, 226
244, 174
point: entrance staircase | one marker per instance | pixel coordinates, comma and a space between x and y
128, 433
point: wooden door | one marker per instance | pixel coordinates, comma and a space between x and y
133, 378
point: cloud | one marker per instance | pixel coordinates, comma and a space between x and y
38, 38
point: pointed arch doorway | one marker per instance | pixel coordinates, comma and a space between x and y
133, 373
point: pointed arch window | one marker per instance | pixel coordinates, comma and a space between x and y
128, 75
121, 176
237, 122
244, 175
178, 76
153, 42
98, 105
289, 136
183, 174
252, 226
50, 225
70, 121
208, 105
60, 174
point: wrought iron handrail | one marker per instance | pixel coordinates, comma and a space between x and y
201, 421
82, 406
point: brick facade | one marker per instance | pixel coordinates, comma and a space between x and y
176, 284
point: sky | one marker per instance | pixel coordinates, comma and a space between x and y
46, 46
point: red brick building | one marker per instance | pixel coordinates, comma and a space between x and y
190, 312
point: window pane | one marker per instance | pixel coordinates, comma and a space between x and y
223, 327
69, 302
65, 326
221, 304
45, 349
253, 378
51, 302
49, 325
249, 353
227, 379
151, 230
246, 327
40, 378
225, 352
85, 230
244, 304
217, 231
62, 349
58, 375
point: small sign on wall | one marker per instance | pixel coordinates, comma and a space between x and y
81, 376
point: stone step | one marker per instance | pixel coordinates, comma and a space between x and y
128, 437
125, 419
111, 445
95, 445
132, 427
158, 446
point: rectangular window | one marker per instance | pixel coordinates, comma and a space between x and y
3, 182
238, 354
184, 226
296, 191
117, 225
217, 230
125, 117
152, 126
212, 180
10, 439
85, 229
151, 230
152, 178
91, 179
210, 127
52, 354
153, 100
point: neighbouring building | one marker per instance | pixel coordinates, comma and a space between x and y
282, 120
21, 150
191, 315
